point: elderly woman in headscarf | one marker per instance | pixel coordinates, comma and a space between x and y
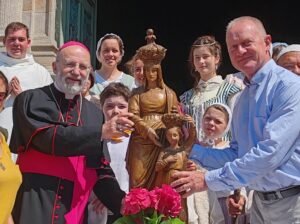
289, 58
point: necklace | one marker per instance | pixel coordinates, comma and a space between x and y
58, 107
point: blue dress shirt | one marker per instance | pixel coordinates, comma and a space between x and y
264, 153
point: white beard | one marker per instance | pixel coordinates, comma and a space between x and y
70, 90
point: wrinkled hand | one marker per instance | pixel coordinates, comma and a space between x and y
191, 165
236, 208
15, 86
154, 137
118, 126
189, 182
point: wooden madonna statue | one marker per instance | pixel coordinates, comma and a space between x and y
148, 103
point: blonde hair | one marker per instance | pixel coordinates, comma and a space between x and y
258, 24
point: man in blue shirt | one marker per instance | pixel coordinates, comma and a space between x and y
265, 150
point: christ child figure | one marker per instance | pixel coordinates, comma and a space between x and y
174, 156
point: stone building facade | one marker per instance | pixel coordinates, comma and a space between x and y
51, 23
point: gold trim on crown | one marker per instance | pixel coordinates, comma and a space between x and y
151, 53
173, 120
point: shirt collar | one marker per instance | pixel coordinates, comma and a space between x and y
214, 80
15, 61
259, 76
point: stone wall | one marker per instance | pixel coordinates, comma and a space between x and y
39, 16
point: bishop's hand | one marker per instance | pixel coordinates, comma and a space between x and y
118, 126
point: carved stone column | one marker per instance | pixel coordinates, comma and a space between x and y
10, 11
39, 15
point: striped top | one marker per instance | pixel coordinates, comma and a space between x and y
196, 100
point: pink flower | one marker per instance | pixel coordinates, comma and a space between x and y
136, 200
161, 205
166, 201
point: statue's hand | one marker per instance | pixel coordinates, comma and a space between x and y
191, 165
154, 137
189, 120
172, 159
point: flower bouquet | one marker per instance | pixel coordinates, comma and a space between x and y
159, 206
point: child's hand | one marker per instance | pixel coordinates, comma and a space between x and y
191, 165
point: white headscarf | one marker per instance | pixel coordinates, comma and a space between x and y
104, 37
290, 48
229, 116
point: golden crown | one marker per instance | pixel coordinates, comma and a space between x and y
151, 53
173, 120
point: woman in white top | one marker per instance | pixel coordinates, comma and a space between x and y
110, 50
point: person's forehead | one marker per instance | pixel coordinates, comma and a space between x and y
76, 53
110, 43
242, 29
138, 62
201, 50
291, 54
19, 32
115, 99
213, 111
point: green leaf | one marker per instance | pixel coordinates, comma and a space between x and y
172, 221
124, 220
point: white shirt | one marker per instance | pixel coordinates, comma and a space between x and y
30, 74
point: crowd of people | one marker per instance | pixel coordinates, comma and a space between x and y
72, 147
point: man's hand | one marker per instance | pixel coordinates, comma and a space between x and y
189, 182
15, 86
118, 126
236, 207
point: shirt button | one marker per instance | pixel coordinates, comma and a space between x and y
57, 206
61, 187
59, 197
56, 216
